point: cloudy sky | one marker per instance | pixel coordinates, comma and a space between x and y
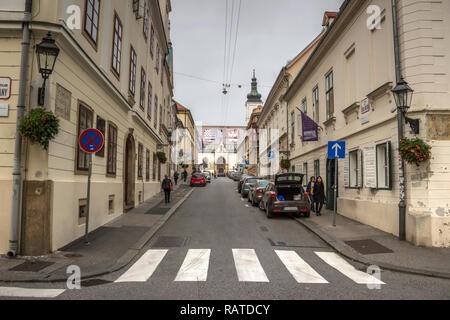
270, 33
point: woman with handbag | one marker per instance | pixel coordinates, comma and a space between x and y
310, 190
319, 195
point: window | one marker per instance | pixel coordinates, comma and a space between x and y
162, 73
292, 127
91, 19
152, 41
354, 169
383, 156
117, 45
133, 63
145, 24
150, 97
85, 121
317, 168
315, 98
147, 165
111, 167
156, 111
101, 126
329, 95
155, 159
304, 106
157, 58
140, 160
160, 118
143, 85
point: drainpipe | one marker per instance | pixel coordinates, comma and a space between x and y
17, 174
401, 164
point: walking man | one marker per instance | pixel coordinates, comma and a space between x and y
175, 177
167, 187
185, 174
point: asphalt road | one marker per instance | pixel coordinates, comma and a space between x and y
221, 248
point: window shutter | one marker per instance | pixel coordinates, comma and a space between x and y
346, 171
370, 168
360, 169
389, 164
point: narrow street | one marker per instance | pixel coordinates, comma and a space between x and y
218, 247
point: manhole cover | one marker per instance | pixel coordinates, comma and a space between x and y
170, 242
368, 247
157, 211
32, 266
73, 255
94, 283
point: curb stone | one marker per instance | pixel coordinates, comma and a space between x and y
351, 254
125, 259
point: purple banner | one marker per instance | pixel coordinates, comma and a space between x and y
310, 129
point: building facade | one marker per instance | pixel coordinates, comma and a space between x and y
186, 150
113, 73
346, 87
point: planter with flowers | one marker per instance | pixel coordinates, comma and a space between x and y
39, 126
414, 151
162, 157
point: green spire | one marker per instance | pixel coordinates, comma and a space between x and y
254, 95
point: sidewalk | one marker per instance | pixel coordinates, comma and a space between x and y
111, 247
370, 246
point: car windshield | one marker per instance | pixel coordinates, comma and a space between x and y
251, 180
197, 175
292, 177
262, 184
207, 174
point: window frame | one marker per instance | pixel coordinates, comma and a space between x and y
350, 169
329, 94
133, 70
140, 165
88, 33
152, 41
147, 165
79, 170
101, 152
316, 103
112, 149
317, 168
142, 93
305, 105
388, 167
155, 159
156, 112
150, 101
119, 48
292, 127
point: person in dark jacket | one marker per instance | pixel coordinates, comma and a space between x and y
185, 174
175, 177
310, 190
319, 195
167, 186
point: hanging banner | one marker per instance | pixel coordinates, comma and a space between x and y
310, 129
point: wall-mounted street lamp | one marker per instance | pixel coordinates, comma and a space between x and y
403, 97
47, 52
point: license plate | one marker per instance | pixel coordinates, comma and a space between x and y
291, 209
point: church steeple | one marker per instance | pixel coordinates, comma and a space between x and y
254, 95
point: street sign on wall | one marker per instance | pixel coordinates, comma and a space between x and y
5, 88
336, 149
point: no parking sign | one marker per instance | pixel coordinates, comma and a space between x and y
91, 140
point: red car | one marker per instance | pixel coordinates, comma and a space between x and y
198, 179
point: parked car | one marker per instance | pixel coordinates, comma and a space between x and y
198, 179
237, 176
242, 180
256, 191
286, 195
208, 176
246, 185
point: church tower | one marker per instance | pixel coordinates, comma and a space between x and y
253, 99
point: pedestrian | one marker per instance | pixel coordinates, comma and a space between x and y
310, 191
175, 177
185, 174
319, 195
167, 188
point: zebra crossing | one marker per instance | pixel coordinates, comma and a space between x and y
248, 268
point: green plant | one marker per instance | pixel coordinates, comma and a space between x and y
414, 151
162, 157
285, 164
40, 126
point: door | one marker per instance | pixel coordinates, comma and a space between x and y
331, 166
130, 168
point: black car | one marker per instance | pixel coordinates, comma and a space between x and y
286, 195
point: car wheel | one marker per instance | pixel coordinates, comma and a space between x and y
268, 213
307, 215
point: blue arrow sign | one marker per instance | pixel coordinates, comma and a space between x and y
271, 155
336, 149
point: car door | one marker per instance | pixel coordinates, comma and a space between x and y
266, 194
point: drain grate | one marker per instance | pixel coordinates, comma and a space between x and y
32, 266
368, 247
170, 242
73, 255
94, 283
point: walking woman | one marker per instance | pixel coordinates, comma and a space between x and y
167, 187
319, 195
310, 190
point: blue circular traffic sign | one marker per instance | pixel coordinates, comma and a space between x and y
91, 140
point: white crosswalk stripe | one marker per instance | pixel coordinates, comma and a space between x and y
195, 266
300, 270
11, 292
143, 269
248, 267
347, 269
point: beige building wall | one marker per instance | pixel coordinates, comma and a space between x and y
84, 69
362, 62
